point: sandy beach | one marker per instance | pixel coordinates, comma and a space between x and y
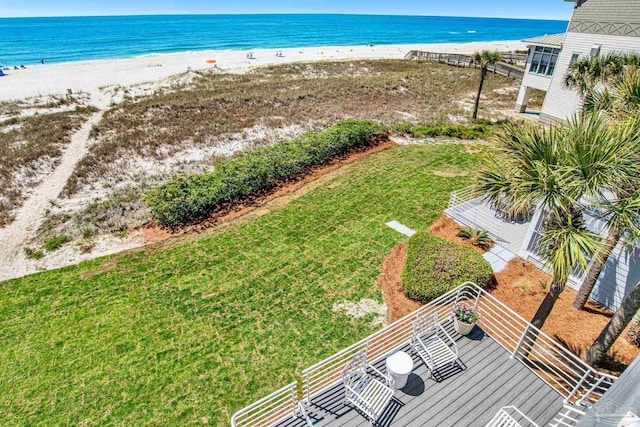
91, 76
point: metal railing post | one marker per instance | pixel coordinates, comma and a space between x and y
522, 338
293, 400
575, 389
475, 305
308, 386
583, 398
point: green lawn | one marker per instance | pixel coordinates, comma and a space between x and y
191, 333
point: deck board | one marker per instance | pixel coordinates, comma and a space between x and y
468, 396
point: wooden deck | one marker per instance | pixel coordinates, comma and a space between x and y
468, 395
513, 64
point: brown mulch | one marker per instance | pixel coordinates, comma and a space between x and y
448, 229
398, 304
231, 212
522, 287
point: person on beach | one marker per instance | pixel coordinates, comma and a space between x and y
42, 61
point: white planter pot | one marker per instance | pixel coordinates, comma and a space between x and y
461, 327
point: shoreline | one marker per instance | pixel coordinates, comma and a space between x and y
92, 76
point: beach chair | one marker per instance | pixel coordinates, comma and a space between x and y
432, 343
363, 391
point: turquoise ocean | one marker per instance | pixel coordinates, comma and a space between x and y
29, 40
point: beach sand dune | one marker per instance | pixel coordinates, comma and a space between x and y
92, 76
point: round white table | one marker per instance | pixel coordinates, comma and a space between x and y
399, 366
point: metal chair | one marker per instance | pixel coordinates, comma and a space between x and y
510, 416
432, 343
363, 391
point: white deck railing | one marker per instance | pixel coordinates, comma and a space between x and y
576, 381
270, 409
467, 209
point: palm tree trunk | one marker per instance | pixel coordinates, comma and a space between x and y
596, 268
483, 74
614, 328
557, 286
540, 317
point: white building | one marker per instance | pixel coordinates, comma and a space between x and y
596, 27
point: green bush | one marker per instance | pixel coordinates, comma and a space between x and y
33, 253
55, 242
473, 131
435, 266
185, 199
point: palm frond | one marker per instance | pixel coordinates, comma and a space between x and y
566, 244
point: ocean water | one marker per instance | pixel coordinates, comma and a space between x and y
28, 40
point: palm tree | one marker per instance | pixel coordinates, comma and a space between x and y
614, 328
531, 170
485, 58
591, 77
622, 106
566, 244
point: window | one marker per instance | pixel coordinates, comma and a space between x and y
574, 58
544, 60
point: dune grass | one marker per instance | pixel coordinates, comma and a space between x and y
310, 95
29, 147
189, 331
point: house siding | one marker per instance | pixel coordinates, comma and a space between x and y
530, 81
620, 275
561, 102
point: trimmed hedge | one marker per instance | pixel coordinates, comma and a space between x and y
435, 266
187, 199
473, 131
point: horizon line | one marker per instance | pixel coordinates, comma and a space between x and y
277, 13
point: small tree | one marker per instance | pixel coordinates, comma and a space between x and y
529, 169
485, 58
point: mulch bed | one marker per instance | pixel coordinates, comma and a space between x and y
521, 286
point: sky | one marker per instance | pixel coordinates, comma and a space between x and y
540, 9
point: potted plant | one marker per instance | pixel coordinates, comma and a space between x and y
464, 319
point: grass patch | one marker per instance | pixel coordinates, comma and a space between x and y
33, 253
311, 95
197, 328
55, 243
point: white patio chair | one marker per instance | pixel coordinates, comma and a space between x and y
504, 418
432, 343
363, 391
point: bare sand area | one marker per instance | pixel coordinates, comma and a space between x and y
92, 76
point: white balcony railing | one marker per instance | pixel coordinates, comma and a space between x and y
576, 381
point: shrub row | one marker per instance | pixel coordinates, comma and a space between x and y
474, 131
186, 199
435, 266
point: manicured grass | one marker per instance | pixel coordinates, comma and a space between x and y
189, 333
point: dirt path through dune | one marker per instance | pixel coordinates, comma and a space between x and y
13, 262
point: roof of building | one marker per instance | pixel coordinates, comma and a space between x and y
608, 17
553, 40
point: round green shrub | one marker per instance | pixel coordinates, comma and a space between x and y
435, 266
